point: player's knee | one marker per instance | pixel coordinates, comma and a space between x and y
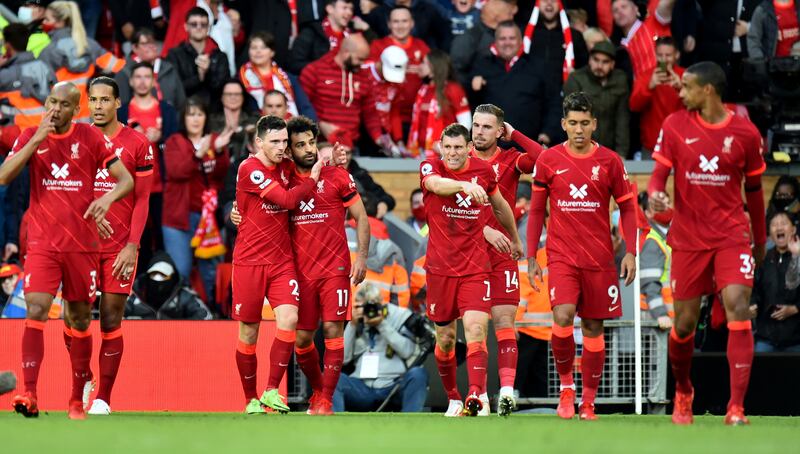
563, 317
81, 322
304, 338
475, 332
446, 339
332, 330
110, 321
37, 311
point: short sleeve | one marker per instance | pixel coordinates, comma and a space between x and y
347, 187
754, 155
663, 149
254, 180
620, 183
427, 168
21, 141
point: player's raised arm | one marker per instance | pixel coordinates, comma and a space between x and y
19, 156
532, 148
505, 216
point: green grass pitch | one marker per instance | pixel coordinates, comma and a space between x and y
227, 433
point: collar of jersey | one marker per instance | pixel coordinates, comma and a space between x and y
66, 134
595, 147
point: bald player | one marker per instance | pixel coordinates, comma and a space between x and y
63, 240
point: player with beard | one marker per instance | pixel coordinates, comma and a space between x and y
322, 258
119, 244
456, 188
63, 241
713, 151
488, 126
580, 178
263, 263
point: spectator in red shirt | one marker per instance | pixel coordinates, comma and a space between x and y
340, 93
440, 102
656, 94
774, 29
638, 35
400, 25
157, 120
196, 160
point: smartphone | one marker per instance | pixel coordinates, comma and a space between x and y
662, 66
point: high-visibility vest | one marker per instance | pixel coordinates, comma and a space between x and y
393, 280
37, 42
20, 82
666, 287
535, 306
417, 283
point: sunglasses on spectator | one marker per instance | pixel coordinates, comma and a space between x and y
197, 24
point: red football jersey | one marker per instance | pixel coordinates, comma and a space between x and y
135, 151
263, 237
318, 236
580, 188
455, 241
504, 166
710, 164
62, 173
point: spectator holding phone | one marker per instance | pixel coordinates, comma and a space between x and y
656, 94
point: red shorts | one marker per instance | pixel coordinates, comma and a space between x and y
504, 282
252, 284
327, 298
698, 273
107, 283
46, 270
450, 296
594, 292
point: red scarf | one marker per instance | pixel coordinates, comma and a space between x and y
434, 124
258, 84
569, 49
207, 239
293, 12
334, 37
509, 64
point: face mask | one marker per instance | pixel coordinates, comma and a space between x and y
47, 28
664, 217
25, 14
157, 292
782, 204
419, 214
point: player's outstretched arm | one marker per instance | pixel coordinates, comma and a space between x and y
447, 187
13, 166
99, 207
505, 216
359, 269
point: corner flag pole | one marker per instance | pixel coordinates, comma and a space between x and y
637, 334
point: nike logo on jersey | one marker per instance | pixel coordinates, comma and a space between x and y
691, 141
329, 81
283, 365
341, 313
42, 151
123, 285
560, 171
111, 354
561, 361
613, 308
511, 290
248, 377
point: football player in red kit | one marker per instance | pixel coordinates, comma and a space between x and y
580, 178
712, 151
456, 189
488, 126
63, 241
263, 263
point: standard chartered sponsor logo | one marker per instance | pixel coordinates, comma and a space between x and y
461, 213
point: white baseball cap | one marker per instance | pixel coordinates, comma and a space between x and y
394, 62
162, 267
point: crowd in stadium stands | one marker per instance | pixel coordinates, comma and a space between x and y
382, 78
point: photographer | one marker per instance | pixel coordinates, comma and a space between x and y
381, 339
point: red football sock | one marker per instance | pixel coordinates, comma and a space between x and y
308, 360
279, 356
111, 349
594, 357
563, 346
32, 353
680, 357
80, 354
247, 363
740, 359
332, 364
477, 359
507, 355
67, 336
446, 362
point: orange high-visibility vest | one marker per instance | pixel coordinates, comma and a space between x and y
666, 286
392, 280
535, 306
417, 282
